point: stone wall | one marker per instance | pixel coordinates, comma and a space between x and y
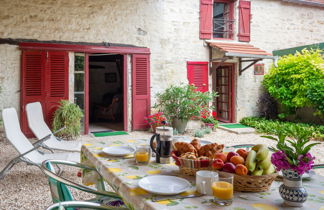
169, 28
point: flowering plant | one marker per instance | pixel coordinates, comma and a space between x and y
155, 120
294, 156
207, 118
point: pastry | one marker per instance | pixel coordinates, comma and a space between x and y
184, 147
196, 144
210, 149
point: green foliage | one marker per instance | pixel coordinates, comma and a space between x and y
292, 81
276, 127
210, 120
315, 94
182, 102
68, 115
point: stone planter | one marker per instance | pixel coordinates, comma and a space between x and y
292, 190
180, 125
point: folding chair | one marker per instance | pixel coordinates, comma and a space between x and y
79, 205
27, 152
40, 129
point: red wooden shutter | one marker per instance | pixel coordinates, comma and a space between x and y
56, 82
244, 21
141, 100
32, 83
206, 19
198, 75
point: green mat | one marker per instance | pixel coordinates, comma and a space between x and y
234, 126
113, 133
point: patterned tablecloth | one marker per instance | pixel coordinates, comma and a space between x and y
123, 176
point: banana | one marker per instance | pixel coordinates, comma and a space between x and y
257, 147
265, 163
257, 172
250, 162
269, 170
262, 153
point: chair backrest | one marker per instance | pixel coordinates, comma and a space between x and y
15, 135
36, 120
59, 191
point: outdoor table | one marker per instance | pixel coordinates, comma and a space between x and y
123, 174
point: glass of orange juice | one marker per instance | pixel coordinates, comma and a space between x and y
142, 154
223, 190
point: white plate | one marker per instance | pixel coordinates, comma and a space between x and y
118, 150
164, 185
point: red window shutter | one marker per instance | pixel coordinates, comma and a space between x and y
32, 83
141, 100
244, 21
206, 19
57, 82
198, 75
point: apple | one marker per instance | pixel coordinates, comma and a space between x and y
221, 156
218, 164
230, 155
229, 167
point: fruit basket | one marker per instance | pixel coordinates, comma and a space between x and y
245, 179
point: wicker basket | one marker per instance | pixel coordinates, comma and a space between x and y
242, 183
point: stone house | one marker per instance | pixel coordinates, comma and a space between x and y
109, 52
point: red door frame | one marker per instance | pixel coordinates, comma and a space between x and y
92, 49
232, 92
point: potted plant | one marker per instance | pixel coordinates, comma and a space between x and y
67, 115
208, 119
293, 159
155, 120
181, 103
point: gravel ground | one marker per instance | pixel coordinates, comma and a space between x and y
25, 187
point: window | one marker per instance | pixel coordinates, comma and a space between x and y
223, 20
79, 88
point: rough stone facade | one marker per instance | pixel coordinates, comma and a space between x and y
169, 28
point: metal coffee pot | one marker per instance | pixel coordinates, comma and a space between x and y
163, 138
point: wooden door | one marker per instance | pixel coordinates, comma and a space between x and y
223, 82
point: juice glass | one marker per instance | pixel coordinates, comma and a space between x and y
142, 154
223, 190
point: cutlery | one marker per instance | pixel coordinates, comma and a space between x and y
162, 198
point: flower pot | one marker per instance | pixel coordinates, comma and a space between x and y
292, 190
180, 125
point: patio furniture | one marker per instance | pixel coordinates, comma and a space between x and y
60, 191
79, 205
123, 174
27, 152
40, 129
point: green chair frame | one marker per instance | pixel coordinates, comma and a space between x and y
78, 205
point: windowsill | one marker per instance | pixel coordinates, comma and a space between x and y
229, 39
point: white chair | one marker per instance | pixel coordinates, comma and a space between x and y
28, 152
40, 129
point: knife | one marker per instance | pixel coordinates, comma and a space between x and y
162, 198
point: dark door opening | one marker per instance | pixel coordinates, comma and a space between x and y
223, 83
106, 98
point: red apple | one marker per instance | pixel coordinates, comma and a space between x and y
230, 155
229, 167
221, 156
217, 164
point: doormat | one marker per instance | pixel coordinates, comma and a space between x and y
113, 133
108, 130
234, 125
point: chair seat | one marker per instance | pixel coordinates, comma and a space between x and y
108, 201
60, 156
64, 145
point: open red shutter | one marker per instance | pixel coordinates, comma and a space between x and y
141, 102
244, 21
206, 19
57, 82
32, 83
198, 75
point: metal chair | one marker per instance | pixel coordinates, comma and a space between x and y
60, 191
79, 205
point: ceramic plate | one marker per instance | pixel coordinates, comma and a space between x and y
164, 185
118, 151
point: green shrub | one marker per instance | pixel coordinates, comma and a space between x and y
68, 115
292, 82
315, 94
275, 127
199, 133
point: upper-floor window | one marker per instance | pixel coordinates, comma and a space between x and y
223, 20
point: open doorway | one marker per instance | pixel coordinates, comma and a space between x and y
106, 98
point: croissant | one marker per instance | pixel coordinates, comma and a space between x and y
210, 149
196, 144
184, 147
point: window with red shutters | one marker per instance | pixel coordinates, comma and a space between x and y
198, 75
244, 21
44, 78
141, 103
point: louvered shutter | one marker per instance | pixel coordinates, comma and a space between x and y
244, 21
32, 83
56, 85
198, 75
140, 90
206, 19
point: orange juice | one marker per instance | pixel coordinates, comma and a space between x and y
222, 190
142, 157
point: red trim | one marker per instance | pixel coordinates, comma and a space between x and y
196, 62
86, 94
125, 93
84, 48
